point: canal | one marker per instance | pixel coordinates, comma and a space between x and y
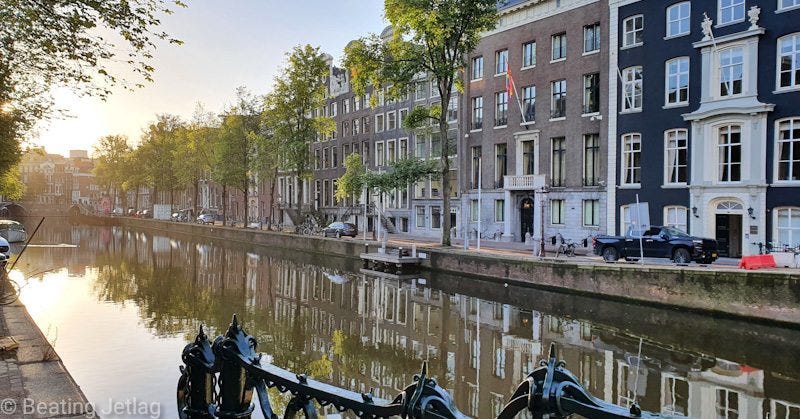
120, 304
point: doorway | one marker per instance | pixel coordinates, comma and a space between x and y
526, 218
729, 235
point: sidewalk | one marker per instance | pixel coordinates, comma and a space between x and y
33, 380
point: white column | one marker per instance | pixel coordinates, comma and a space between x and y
507, 215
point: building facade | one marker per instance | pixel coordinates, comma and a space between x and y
706, 124
534, 123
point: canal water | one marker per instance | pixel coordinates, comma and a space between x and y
119, 306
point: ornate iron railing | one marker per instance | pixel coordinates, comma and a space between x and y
217, 381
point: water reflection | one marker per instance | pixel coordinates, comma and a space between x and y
313, 314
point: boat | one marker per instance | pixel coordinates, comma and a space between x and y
13, 231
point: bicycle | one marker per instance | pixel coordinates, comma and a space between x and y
567, 247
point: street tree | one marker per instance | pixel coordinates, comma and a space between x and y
89, 46
431, 38
291, 111
194, 152
156, 153
110, 153
11, 185
352, 181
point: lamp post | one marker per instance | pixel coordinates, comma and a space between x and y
542, 199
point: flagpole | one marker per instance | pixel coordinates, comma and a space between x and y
514, 89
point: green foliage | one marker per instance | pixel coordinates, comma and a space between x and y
235, 142
156, 152
352, 181
110, 154
11, 186
193, 154
74, 43
401, 174
429, 37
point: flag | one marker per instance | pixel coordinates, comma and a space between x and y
509, 83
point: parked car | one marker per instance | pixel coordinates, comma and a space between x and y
181, 216
339, 229
145, 213
657, 242
206, 218
131, 212
5, 248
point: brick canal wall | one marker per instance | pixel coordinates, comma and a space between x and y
763, 295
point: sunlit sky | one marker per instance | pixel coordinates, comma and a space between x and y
227, 44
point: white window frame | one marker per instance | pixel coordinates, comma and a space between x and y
677, 77
558, 206
562, 94
634, 30
677, 216
379, 127
501, 62
725, 406
389, 157
500, 122
594, 205
727, 148
473, 121
380, 154
473, 210
402, 144
420, 221
553, 58
476, 73
629, 158
674, 160
595, 29
680, 19
528, 61
391, 121
499, 216
631, 85
402, 114
793, 232
730, 70
733, 4
794, 54
441, 217
795, 5
794, 150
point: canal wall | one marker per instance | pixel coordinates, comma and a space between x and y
770, 296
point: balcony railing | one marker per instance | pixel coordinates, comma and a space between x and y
524, 182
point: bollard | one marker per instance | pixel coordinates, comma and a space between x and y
399, 252
366, 252
413, 250
196, 386
236, 392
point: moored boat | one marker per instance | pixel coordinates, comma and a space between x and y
13, 231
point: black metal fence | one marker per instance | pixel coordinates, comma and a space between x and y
218, 380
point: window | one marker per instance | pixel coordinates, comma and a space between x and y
345, 128
477, 112
357, 103
559, 45
501, 62
788, 4
334, 156
452, 109
678, 19
591, 212
727, 402
558, 171
477, 68
434, 88
473, 210
436, 145
676, 156
677, 92
379, 122
788, 149
402, 151
528, 54
501, 109
356, 126
317, 159
558, 103
364, 152
528, 158
419, 149
325, 158
380, 155
529, 103
788, 226
499, 210
345, 106
420, 216
436, 217
558, 211
591, 159
476, 169
420, 91
731, 68
632, 89
591, 38
365, 124
730, 153
676, 216
591, 93
391, 151
632, 31
391, 121
403, 113
789, 56
501, 164
332, 109
730, 11
631, 159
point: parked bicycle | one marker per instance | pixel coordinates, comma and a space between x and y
565, 246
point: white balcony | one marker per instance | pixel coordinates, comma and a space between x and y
523, 183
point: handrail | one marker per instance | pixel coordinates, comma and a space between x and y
550, 391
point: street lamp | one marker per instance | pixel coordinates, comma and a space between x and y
543, 191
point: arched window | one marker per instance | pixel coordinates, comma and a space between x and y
729, 206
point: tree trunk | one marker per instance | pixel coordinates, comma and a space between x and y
196, 196
224, 204
273, 184
299, 196
443, 127
246, 204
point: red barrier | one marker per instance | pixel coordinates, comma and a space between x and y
757, 262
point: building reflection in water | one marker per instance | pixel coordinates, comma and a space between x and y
314, 314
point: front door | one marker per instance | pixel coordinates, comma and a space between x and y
729, 235
526, 218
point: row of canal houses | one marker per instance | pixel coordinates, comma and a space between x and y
376, 332
693, 106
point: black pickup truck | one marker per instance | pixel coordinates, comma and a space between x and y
657, 242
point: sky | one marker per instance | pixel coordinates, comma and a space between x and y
227, 44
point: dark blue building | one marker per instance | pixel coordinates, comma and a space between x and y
707, 126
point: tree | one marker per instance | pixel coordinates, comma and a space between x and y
291, 108
74, 43
110, 154
194, 152
156, 153
11, 186
352, 181
431, 37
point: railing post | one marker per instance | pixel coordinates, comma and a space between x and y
236, 391
196, 385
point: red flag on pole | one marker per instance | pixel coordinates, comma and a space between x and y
509, 83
